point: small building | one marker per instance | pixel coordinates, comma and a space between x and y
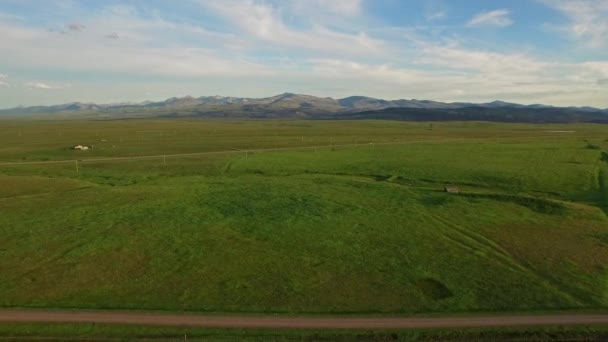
80, 147
452, 189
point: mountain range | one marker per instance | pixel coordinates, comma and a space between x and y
290, 105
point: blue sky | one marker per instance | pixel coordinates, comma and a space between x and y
526, 51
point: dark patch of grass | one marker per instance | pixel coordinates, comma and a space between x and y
436, 200
538, 205
433, 289
380, 178
603, 238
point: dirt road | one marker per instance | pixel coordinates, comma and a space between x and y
292, 322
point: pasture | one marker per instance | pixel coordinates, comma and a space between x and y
355, 222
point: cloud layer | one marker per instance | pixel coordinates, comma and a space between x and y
588, 20
322, 47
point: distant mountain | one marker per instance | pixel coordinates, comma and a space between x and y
66, 107
501, 104
499, 113
289, 105
367, 103
363, 102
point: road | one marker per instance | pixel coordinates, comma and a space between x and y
294, 322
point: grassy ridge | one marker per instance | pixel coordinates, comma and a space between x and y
357, 229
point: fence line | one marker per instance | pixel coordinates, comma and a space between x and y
233, 151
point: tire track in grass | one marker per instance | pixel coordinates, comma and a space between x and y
483, 244
598, 195
480, 242
44, 193
473, 242
602, 188
484, 247
74, 245
467, 241
226, 169
602, 175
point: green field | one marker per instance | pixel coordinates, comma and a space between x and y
363, 228
100, 332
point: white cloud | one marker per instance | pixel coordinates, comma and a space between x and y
4, 80
11, 17
454, 73
435, 10
454, 57
439, 14
45, 86
496, 18
113, 35
37, 85
75, 27
264, 21
588, 20
597, 70
348, 8
146, 47
547, 85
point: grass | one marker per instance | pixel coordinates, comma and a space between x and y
100, 332
358, 229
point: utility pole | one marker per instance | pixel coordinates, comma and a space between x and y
77, 169
164, 160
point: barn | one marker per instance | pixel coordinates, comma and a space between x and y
80, 147
452, 189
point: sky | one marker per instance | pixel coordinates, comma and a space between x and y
109, 51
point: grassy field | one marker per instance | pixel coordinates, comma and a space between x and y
329, 229
100, 332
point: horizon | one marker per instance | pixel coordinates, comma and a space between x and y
551, 52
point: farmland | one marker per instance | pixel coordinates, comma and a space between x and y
285, 216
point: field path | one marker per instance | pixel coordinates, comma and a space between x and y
294, 322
